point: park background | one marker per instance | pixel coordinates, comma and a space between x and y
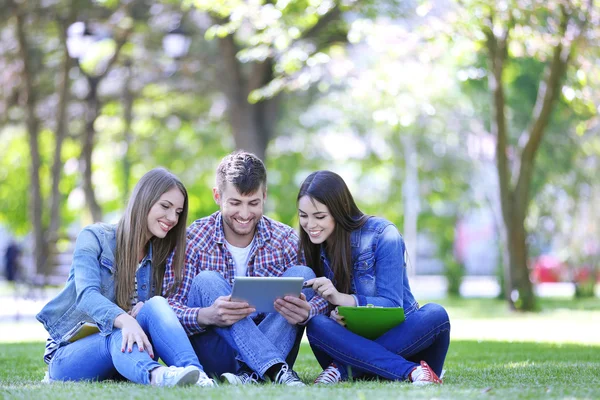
473, 125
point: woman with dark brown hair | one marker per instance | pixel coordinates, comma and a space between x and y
360, 260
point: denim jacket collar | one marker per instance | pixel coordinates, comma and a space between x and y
148, 257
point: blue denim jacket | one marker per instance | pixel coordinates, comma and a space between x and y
89, 294
379, 275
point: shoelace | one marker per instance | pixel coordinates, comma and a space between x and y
286, 376
331, 374
249, 378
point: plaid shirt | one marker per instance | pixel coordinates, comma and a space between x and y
274, 250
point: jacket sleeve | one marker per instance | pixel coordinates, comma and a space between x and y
87, 274
390, 268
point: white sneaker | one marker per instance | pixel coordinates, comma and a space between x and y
330, 375
205, 381
288, 377
177, 376
241, 378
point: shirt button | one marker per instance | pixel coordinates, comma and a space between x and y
143, 286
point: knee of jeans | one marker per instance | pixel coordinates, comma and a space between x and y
156, 304
316, 325
440, 312
300, 271
207, 279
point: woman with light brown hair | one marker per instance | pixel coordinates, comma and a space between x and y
110, 320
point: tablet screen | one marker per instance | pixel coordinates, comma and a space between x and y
261, 292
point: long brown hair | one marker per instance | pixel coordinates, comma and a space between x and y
329, 188
132, 240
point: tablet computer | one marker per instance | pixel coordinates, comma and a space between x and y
261, 292
371, 322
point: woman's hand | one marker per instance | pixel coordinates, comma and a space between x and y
136, 309
325, 288
132, 333
337, 317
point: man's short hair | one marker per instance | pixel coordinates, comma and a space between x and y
244, 170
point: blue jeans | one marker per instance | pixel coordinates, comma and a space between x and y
425, 335
260, 341
97, 357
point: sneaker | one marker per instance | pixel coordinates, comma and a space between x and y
241, 378
288, 377
205, 381
330, 375
178, 376
424, 375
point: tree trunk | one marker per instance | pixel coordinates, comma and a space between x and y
92, 111
61, 128
32, 122
518, 257
252, 125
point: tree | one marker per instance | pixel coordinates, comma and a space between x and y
563, 25
263, 49
29, 91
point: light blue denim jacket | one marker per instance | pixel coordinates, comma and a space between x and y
89, 294
379, 275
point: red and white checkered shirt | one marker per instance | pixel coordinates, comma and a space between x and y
274, 250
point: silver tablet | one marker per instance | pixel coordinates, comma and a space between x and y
261, 292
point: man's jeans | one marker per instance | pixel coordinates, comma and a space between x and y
425, 335
258, 346
97, 357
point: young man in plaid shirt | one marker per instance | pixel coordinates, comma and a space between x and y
238, 240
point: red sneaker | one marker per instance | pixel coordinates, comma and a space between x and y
329, 376
424, 375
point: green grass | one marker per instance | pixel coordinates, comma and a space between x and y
474, 370
494, 354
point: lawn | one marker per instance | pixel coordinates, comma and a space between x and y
542, 365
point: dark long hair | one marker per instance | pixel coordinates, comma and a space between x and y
329, 188
131, 236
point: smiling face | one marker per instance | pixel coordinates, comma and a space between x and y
315, 219
241, 213
164, 214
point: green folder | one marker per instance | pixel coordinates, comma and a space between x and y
371, 322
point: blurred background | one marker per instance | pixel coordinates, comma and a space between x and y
473, 125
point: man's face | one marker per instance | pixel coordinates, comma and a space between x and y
240, 213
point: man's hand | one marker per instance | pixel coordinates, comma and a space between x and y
224, 312
132, 333
293, 309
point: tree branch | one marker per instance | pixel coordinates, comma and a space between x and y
548, 93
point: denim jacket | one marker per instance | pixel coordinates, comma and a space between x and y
379, 274
89, 294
